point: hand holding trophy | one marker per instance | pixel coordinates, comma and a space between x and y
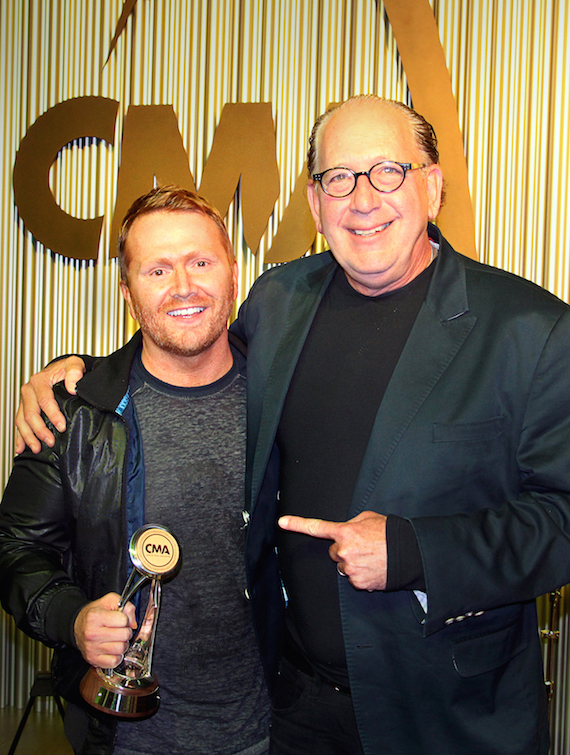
131, 690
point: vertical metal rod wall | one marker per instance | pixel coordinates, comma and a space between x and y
509, 64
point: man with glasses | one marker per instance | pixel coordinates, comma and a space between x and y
417, 404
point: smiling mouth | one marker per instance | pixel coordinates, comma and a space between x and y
187, 312
369, 232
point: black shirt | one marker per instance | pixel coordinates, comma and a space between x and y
344, 369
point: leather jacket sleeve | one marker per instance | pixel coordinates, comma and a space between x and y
36, 533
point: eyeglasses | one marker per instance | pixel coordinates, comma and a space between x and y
386, 177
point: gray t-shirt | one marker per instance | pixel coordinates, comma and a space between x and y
213, 697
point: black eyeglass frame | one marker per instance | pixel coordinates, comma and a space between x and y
405, 167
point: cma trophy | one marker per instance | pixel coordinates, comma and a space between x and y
131, 690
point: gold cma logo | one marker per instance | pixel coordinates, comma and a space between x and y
243, 154
157, 551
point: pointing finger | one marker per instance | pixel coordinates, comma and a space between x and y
313, 527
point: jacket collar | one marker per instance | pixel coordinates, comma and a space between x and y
446, 296
447, 293
107, 384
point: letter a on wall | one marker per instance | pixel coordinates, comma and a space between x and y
417, 37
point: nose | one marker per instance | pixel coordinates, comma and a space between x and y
182, 284
365, 197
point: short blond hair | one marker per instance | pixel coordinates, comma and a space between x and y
170, 199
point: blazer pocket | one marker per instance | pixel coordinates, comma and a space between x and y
469, 431
487, 652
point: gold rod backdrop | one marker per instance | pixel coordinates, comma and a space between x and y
509, 67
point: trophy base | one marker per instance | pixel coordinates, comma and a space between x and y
119, 695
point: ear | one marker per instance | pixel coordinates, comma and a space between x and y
314, 200
127, 297
434, 187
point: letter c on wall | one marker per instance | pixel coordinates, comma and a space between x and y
43, 217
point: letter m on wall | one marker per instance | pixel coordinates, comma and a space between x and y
243, 154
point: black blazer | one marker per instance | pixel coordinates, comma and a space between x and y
472, 444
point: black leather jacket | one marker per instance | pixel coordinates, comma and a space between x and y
65, 521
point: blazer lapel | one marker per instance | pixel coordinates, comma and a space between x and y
441, 328
303, 304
